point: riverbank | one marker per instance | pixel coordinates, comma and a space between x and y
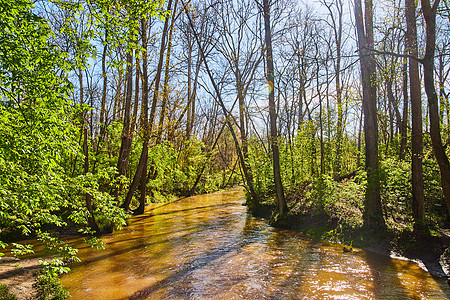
20, 276
431, 250
181, 242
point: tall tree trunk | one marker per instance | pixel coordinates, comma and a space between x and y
416, 115
340, 126
302, 90
393, 106
146, 120
189, 86
443, 97
404, 124
84, 124
373, 215
165, 97
282, 208
127, 136
429, 14
441, 85
140, 177
134, 116
242, 119
358, 158
322, 148
104, 89
242, 112
337, 30
118, 94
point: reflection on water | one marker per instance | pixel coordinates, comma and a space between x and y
208, 247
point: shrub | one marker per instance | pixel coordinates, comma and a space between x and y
49, 288
340, 201
5, 294
48, 285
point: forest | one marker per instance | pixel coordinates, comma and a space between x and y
331, 114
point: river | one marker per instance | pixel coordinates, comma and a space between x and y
209, 247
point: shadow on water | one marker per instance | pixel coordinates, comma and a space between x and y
386, 284
298, 270
199, 262
139, 244
208, 247
144, 241
183, 211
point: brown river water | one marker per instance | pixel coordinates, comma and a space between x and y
209, 247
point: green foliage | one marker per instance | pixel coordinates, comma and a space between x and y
38, 140
95, 242
20, 249
396, 191
35, 134
340, 201
167, 173
300, 160
84, 22
435, 208
305, 153
48, 285
63, 250
260, 163
54, 268
105, 208
175, 171
5, 294
50, 288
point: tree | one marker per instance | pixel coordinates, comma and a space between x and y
429, 13
282, 208
240, 48
246, 174
140, 176
165, 94
127, 131
416, 113
337, 26
373, 215
38, 128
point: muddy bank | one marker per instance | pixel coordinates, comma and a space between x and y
433, 256
431, 253
20, 276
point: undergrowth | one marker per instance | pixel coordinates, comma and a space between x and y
332, 210
48, 285
5, 294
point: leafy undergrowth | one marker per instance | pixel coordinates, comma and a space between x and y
333, 211
5, 294
48, 285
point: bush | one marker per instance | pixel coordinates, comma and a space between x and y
48, 285
5, 294
395, 191
49, 288
340, 201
